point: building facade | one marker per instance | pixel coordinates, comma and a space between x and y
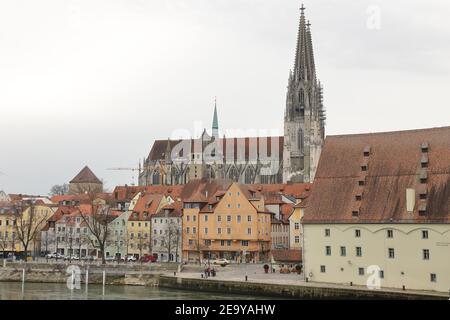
379, 212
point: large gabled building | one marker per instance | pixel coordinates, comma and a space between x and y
379, 211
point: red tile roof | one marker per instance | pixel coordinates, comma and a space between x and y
393, 165
287, 255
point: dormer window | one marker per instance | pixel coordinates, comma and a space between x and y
364, 167
424, 161
424, 147
422, 196
358, 197
423, 177
361, 182
423, 209
355, 213
366, 151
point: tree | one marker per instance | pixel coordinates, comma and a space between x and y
59, 189
28, 223
3, 244
98, 223
170, 238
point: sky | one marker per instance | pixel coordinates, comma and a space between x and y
95, 82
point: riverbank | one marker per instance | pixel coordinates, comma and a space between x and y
229, 280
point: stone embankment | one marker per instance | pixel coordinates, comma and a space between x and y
303, 291
144, 275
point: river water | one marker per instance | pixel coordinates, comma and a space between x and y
59, 291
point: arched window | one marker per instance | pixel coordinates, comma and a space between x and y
301, 97
300, 140
155, 179
248, 176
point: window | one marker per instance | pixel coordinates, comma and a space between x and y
328, 250
244, 243
187, 230
391, 252
188, 218
207, 242
191, 242
297, 239
139, 224
131, 235
433, 277
229, 243
194, 218
327, 232
229, 218
381, 274
206, 230
222, 243
229, 205
238, 205
228, 230
238, 219
249, 230
343, 251
426, 254
206, 217
390, 233
358, 252
296, 226
249, 218
357, 233
424, 234
219, 230
194, 230
219, 218
322, 269
361, 271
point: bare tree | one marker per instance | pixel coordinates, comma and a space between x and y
59, 189
170, 238
3, 244
98, 223
28, 224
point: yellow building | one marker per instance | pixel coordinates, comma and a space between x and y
21, 225
230, 223
139, 223
295, 226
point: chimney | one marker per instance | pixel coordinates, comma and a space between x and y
410, 200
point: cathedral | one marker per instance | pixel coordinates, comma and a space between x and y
292, 157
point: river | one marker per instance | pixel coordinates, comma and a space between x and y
59, 291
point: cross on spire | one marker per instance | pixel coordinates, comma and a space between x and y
308, 24
302, 8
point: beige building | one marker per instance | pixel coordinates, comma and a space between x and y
379, 213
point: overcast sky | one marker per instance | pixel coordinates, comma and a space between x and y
95, 82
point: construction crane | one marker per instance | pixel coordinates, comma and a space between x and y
128, 169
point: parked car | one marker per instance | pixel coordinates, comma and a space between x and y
131, 259
222, 261
110, 258
147, 258
51, 255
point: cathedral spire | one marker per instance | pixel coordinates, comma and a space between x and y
304, 68
215, 124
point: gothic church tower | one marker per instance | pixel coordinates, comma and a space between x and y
304, 119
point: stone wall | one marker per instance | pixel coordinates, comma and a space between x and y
285, 291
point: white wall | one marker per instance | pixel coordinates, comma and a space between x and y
407, 242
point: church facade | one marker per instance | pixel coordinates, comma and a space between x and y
292, 157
